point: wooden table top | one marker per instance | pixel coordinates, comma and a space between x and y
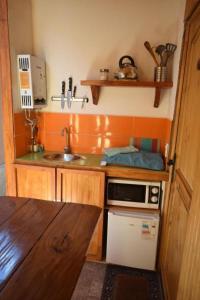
42, 247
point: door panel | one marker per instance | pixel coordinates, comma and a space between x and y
178, 227
189, 126
182, 199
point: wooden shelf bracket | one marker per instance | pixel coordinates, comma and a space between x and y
95, 93
157, 97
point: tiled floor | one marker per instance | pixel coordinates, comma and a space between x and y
90, 283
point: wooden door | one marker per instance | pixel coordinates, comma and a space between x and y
190, 5
87, 187
35, 182
182, 197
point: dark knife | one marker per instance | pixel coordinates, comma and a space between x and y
63, 95
74, 91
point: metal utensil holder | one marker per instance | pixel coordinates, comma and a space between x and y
160, 74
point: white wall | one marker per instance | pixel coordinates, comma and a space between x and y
21, 38
78, 37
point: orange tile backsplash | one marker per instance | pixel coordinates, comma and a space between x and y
91, 133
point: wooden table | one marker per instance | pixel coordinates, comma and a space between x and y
42, 247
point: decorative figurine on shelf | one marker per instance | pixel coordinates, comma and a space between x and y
127, 69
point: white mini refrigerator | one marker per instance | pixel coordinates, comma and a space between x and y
132, 239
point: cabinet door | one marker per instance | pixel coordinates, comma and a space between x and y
86, 187
35, 182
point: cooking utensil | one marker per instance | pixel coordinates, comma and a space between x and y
171, 47
69, 92
149, 48
160, 49
63, 95
166, 55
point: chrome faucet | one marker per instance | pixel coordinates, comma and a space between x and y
67, 148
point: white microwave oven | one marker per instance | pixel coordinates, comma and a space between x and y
134, 193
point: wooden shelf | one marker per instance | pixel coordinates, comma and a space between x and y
97, 84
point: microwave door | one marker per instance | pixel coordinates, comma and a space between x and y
126, 194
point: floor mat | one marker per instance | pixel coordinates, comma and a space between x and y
130, 287
113, 272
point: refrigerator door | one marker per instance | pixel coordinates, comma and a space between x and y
132, 239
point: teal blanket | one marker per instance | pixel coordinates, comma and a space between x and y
141, 159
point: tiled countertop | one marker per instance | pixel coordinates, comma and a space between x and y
92, 162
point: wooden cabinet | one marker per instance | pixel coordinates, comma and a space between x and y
87, 187
35, 182
77, 186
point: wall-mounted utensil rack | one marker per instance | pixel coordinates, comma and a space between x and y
73, 99
97, 84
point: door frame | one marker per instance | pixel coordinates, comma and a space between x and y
7, 103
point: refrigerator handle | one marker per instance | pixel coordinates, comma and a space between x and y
131, 215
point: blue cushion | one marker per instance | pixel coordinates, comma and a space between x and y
141, 159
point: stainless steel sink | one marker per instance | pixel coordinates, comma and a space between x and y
63, 157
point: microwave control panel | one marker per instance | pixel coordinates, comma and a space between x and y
154, 194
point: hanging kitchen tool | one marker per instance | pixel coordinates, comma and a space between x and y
150, 50
127, 68
69, 92
63, 96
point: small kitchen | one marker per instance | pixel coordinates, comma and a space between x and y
94, 88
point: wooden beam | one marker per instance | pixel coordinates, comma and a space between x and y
7, 105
